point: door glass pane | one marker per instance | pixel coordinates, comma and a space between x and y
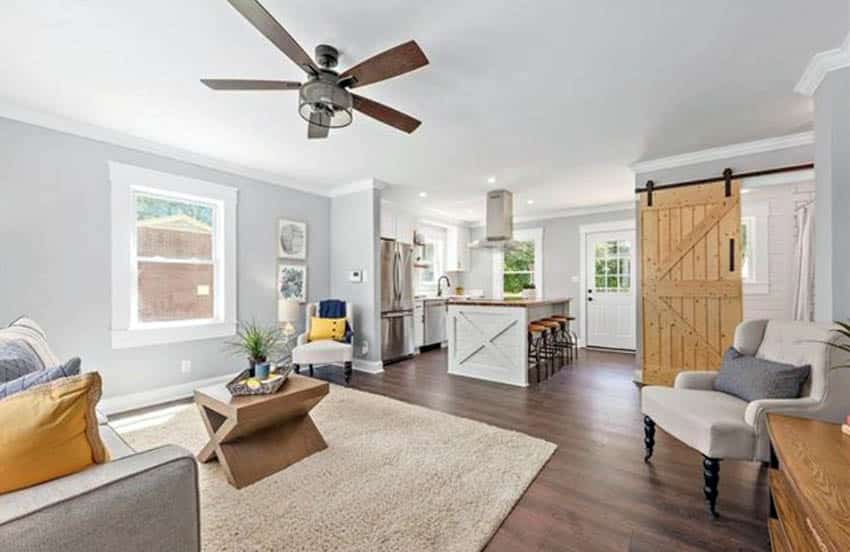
623, 248
611, 266
600, 251
600, 281
612, 282
624, 266
612, 247
625, 283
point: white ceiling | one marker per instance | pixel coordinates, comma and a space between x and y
554, 100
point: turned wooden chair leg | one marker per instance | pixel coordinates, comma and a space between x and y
347, 372
648, 437
711, 473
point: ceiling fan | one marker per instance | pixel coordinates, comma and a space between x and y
324, 100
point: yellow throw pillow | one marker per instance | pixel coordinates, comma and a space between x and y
49, 431
327, 328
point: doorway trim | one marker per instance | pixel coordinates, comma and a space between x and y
584, 230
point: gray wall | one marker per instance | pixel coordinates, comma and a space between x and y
355, 231
55, 244
746, 163
561, 257
832, 255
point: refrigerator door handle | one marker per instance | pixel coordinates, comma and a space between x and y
397, 275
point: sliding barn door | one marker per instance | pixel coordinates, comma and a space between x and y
690, 277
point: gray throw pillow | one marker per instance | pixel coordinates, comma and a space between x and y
752, 378
17, 358
70, 368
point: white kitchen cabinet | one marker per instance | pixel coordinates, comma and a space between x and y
397, 225
457, 248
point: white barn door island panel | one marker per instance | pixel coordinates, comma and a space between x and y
489, 339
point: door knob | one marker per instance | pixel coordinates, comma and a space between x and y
590, 298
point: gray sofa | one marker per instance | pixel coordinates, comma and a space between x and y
724, 427
138, 501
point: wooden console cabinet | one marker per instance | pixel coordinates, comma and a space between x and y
809, 486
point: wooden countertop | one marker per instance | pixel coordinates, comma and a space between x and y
509, 302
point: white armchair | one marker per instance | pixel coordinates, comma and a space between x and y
724, 427
310, 353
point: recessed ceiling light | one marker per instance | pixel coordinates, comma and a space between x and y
491, 180
423, 194
531, 202
746, 191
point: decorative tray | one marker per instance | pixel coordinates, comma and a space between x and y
245, 384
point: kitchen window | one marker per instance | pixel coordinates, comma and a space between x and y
519, 265
173, 258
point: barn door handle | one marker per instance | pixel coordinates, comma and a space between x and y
732, 255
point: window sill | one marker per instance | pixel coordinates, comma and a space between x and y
127, 339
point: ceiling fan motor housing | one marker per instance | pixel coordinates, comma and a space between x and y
327, 56
323, 102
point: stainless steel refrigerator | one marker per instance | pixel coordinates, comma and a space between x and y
397, 341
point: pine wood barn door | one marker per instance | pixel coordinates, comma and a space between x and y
691, 289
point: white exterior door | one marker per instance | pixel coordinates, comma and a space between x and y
610, 307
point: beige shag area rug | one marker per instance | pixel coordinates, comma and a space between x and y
394, 477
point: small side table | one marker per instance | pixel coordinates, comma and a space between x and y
256, 436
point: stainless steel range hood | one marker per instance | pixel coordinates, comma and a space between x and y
499, 228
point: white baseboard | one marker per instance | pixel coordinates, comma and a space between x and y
368, 366
132, 401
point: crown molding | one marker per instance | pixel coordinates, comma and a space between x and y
795, 177
356, 186
571, 212
726, 152
15, 112
821, 64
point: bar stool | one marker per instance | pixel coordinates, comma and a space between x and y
550, 343
560, 342
536, 334
571, 336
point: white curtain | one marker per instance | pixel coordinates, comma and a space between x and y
803, 300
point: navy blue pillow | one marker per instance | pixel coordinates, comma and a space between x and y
70, 368
751, 378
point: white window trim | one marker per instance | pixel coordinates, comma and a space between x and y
126, 180
525, 234
759, 282
438, 237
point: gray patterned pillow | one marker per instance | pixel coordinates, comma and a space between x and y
752, 378
70, 368
17, 359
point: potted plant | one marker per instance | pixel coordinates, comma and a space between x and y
844, 344
529, 291
259, 343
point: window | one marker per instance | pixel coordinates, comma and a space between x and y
612, 270
431, 258
754, 247
173, 258
519, 265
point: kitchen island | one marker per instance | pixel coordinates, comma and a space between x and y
488, 338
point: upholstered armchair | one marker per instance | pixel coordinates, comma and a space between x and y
724, 427
310, 353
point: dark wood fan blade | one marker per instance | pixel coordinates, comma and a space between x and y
318, 127
385, 114
241, 84
263, 21
391, 63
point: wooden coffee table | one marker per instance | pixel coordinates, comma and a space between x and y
256, 436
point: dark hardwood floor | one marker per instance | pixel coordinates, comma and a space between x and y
595, 493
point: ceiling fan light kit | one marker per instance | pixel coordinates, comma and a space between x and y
324, 100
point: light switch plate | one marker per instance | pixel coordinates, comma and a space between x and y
355, 276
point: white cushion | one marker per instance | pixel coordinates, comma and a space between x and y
709, 421
322, 352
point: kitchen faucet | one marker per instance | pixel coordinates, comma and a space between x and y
440, 281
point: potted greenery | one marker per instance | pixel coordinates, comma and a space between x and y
529, 291
257, 342
844, 345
